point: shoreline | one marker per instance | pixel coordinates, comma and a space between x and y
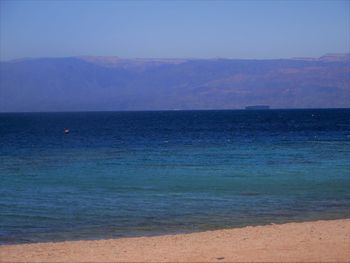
311, 241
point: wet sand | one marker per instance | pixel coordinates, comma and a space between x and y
318, 241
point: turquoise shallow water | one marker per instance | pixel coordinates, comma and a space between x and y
145, 173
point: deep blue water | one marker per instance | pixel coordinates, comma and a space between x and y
145, 173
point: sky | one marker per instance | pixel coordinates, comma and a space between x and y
174, 29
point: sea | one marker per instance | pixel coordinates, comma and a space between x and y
121, 174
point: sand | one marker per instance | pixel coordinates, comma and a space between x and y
318, 241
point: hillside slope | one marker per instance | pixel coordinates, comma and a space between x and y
111, 83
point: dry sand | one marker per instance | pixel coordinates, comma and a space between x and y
318, 241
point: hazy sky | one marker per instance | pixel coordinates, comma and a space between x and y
200, 29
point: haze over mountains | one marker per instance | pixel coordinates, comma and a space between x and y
112, 83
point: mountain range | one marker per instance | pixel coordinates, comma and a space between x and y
113, 83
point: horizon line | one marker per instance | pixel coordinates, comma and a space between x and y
173, 58
176, 110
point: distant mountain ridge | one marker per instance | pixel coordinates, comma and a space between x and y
113, 83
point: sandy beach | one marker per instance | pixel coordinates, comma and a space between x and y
318, 241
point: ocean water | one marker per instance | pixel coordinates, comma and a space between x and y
122, 174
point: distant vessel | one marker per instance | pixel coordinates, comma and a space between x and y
66, 130
258, 107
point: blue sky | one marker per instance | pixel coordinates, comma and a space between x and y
174, 29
